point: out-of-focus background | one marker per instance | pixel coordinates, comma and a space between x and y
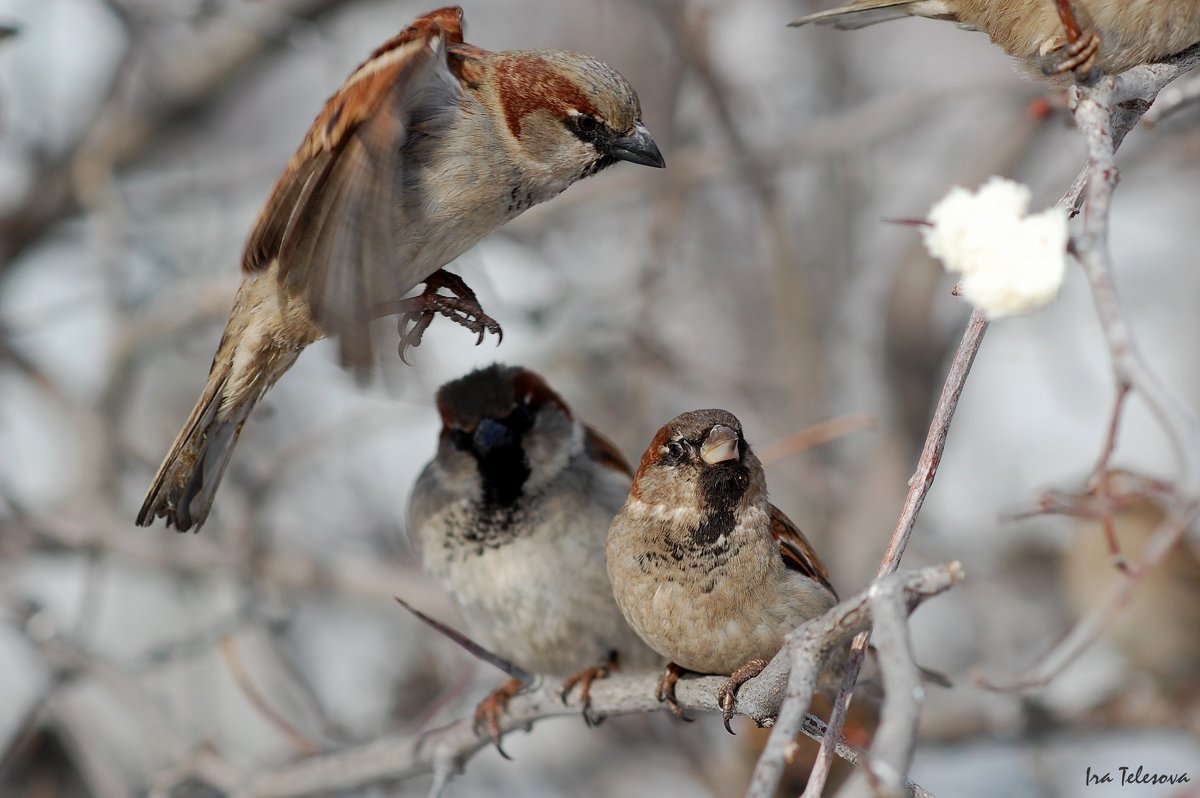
138, 139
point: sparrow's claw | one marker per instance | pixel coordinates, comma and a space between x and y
461, 307
1078, 56
584, 679
727, 694
487, 714
665, 691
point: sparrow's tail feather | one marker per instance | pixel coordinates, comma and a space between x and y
183, 488
870, 12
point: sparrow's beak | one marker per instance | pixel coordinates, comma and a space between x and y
637, 147
491, 435
720, 445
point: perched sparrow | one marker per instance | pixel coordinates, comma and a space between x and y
1116, 34
1158, 630
706, 570
511, 516
428, 146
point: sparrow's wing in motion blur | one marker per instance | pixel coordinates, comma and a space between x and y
795, 549
869, 12
333, 220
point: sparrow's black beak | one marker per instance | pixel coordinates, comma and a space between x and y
638, 148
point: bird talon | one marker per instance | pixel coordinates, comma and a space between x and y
1078, 57
727, 693
584, 679
665, 690
489, 710
461, 307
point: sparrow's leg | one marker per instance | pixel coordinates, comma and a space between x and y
1078, 56
1074, 51
727, 695
584, 679
461, 306
487, 714
666, 689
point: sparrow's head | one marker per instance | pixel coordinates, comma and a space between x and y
505, 433
700, 461
572, 113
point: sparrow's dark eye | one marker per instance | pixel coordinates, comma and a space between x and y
587, 127
675, 450
521, 419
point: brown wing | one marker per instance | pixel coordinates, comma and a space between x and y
332, 219
603, 451
795, 549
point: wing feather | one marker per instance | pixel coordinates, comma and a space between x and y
336, 215
797, 552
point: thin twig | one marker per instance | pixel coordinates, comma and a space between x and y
918, 488
301, 742
807, 650
1104, 115
816, 435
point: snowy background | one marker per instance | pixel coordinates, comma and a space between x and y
138, 139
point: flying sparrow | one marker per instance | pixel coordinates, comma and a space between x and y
705, 568
511, 516
427, 147
1111, 35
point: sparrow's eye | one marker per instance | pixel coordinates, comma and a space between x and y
586, 126
521, 418
675, 450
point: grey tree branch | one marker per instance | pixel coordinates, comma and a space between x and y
1105, 114
918, 487
446, 750
809, 646
896, 737
125, 123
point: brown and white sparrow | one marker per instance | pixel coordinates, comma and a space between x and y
427, 147
705, 568
510, 518
1158, 629
1116, 34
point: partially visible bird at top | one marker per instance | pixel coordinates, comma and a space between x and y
1113, 35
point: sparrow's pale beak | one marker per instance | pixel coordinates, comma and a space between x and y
638, 148
720, 445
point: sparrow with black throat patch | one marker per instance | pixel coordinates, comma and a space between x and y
510, 517
704, 567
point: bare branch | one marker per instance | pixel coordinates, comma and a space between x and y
123, 124
918, 487
815, 435
810, 646
1105, 113
444, 751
